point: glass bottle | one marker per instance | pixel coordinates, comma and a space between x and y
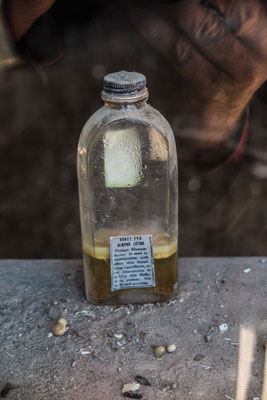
127, 174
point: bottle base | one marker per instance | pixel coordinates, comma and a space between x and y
98, 285
132, 296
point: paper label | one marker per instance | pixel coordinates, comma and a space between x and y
131, 261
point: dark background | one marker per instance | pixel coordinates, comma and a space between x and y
43, 110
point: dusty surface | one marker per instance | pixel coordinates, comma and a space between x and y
90, 363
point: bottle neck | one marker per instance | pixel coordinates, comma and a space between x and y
125, 105
119, 101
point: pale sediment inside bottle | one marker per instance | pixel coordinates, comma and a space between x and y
98, 274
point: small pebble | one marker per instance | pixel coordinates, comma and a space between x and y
142, 380
199, 357
50, 334
256, 398
207, 338
118, 336
160, 351
263, 261
62, 321
84, 352
6, 390
223, 327
130, 387
132, 395
247, 270
59, 329
171, 348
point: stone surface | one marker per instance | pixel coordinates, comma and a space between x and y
90, 363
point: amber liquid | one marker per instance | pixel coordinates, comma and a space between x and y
98, 275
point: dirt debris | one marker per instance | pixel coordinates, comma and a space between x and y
104, 369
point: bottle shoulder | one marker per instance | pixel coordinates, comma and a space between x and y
145, 114
155, 119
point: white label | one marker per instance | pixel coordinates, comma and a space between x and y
131, 261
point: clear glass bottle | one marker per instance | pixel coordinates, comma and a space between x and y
128, 183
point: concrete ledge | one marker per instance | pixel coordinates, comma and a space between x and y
89, 362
